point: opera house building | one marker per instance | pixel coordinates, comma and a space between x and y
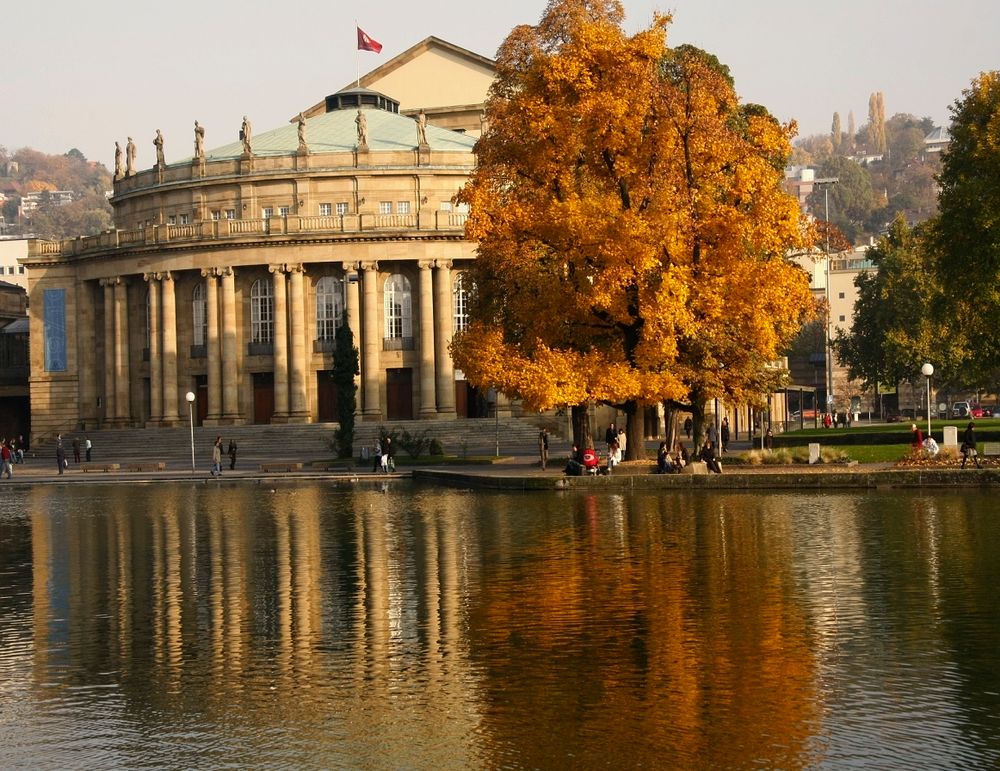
228, 273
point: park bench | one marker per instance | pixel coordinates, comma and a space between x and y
85, 467
147, 466
991, 448
269, 468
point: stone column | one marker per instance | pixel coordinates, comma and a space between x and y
280, 345
230, 341
370, 346
428, 402
444, 322
123, 397
212, 347
297, 401
352, 304
86, 354
171, 416
110, 346
155, 358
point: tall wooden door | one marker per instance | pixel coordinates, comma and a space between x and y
263, 397
399, 394
326, 396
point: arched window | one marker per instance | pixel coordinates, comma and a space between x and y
261, 311
329, 307
460, 303
199, 317
398, 308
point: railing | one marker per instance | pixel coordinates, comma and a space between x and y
212, 230
324, 346
260, 349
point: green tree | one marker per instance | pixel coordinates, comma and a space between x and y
851, 200
345, 370
968, 226
896, 325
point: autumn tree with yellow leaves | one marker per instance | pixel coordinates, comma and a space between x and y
630, 222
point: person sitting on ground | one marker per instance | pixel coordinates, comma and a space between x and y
591, 463
918, 437
931, 447
710, 457
681, 457
574, 465
663, 463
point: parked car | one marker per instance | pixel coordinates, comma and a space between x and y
981, 411
960, 410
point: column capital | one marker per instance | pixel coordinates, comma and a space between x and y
279, 268
425, 264
297, 267
444, 264
208, 272
372, 266
351, 267
166, 275
113, 281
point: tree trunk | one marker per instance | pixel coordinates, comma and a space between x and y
698, 418
635, 432
582, 432
670, 425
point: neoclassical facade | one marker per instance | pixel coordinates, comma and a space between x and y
228, 274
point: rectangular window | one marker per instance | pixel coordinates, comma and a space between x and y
54, 329
230, 214
283, 211
20, 269
325, 210
385, 207
171, 220
216, 214
185, 219
267, 212
446, 206
841, 295
402, 207
10, 270
342, 208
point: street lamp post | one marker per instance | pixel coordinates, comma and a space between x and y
928, 370
190, 400
826, 182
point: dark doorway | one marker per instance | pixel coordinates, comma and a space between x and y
470, 402
263, 397
399, 394
201, 399
326, 396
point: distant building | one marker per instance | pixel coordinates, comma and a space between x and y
11, 270
32, 201
936, 142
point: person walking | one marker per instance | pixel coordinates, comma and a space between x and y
87, 446
76, 449
725, 435
377, 455
6, 460
387, 462
688, 425
217, 457
232, 454
543, 446
969, 445
60, 454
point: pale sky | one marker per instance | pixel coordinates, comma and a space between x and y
85, 74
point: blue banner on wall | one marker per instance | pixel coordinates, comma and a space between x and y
54, 301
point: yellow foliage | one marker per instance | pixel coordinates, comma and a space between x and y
630, 220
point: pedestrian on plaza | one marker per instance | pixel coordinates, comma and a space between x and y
217, 457
969, 445
688, 425
377, 455
388, 464
622, 440
725, 435
232, 454
769, 440
87, 446
60, 454
610, 435
6, 459
76, 449
543, 446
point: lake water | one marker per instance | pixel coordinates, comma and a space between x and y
211, 626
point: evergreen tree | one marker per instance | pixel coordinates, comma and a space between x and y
835, 133
345, 369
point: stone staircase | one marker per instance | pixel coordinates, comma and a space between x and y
306, 443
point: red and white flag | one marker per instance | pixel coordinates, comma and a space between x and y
365, 43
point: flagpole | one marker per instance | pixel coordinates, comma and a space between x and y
357, 56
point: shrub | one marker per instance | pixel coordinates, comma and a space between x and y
415, 444
435, 447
